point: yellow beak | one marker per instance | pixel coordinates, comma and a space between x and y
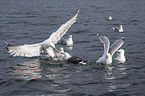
56, 49
107, 56
117, 50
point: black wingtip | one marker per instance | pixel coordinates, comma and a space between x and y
7, 45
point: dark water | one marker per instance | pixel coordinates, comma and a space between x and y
32, 21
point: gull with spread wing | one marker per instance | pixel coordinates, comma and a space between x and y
109, 51
32, 50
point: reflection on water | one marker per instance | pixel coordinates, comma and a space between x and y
57, 74
69, 47
26, 70
113, 75
108, 74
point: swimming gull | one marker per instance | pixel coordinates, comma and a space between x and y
68, 42
121, 29
110, 18
109, 51
120, 56
118, 29
70, 59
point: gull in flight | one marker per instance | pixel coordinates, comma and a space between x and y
32, 50
120, 57
109, 51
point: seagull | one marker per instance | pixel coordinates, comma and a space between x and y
118, 29
68, 42
33, 50
110, 18
121, 29
109, 51
70, 59
115, 28
121, 58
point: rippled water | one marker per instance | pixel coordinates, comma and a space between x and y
32, 21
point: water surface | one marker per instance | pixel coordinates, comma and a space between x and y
26, 22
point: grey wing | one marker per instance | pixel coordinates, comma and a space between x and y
106, 42
117, 44
63, 41
56, 36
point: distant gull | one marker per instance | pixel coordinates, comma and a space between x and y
68, 42
118, 29
121, 29
110, 18
109, 51
120, 56
31, 50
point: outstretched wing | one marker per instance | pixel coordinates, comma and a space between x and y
56, 36
25, 50
117, 44
105, 41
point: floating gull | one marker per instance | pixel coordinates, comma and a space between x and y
110, 18
120, 57
121, 29
61, 55
115, 28
31, 50
71, 59
68, 42
109, 51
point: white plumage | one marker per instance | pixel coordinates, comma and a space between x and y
110, 18
109, 51
68, 42
118, 29
120, 56
31, 50
121, 29
61, 55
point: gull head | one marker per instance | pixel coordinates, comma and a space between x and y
70, 36
121, 51
120, 26
61, 50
